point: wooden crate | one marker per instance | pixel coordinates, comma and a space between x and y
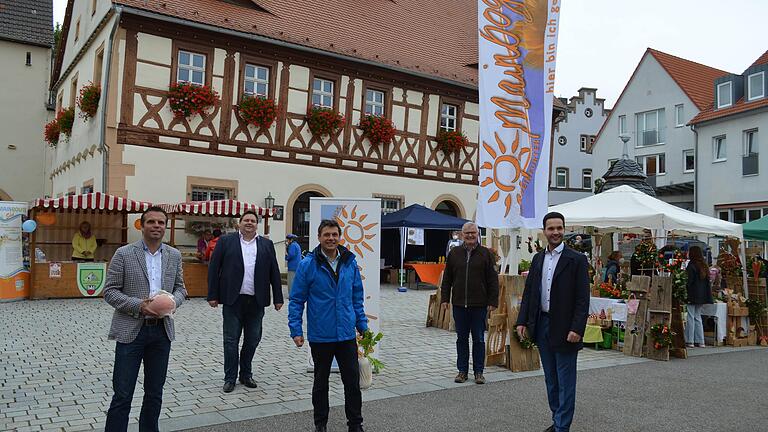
519, 358
657, 317
634, 336
496, 343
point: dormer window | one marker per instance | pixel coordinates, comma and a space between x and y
756, 86
724, 95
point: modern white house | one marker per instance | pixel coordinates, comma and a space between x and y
731, 150
663, 94
26, 43
571, 172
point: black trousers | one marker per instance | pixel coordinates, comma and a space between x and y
346, 356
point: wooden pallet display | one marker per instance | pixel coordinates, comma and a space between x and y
634, 336
436, 315
519, 358
736, 333
757, 290
679, 349
659, 312
496, 343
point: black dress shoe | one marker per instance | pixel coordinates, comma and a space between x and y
321, 429
228, 387
248, 382
550, 429
358, 428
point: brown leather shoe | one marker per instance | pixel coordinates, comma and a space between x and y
461, 377
479, 378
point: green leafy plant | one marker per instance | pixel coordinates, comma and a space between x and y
526, 343
365, 345
662, 336
524, 266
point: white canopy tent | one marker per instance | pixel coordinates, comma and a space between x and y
624, 207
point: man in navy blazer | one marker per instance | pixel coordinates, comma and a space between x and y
243, 267
554, 312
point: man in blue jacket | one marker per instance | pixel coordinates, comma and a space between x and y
243, 276
292, 257
328, 281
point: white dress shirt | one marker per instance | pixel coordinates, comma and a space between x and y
154, 269
333, 262
547, 273
249, 264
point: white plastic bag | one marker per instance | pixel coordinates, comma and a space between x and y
163, 304
366, 373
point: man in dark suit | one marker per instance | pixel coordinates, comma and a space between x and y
243, 267
554, 313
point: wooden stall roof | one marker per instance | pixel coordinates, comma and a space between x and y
92, 201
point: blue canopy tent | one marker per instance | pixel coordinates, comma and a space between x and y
418, 216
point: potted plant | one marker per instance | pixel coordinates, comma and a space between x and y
88, 101
451, 141
65, 119
368, 364
258, 111
52, 132
324, 121
377, 129
186, 99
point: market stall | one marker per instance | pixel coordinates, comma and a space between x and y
189, 216
53, 272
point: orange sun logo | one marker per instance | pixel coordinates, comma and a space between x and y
510, 167
354, 234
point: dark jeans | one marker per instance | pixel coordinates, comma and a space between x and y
470, 319
243, 317
560, 377
346, 356
153, 347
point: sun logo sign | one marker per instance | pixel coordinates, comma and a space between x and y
355, 233
506, 170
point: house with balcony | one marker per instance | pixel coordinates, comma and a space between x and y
573, 137
663, 94
730, 143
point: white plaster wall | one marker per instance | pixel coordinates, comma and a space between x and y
88, 24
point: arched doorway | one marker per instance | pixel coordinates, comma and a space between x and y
301, 218
447, 208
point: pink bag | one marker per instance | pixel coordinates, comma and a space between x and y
632, 304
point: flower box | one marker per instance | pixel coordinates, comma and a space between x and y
324, 121
88, 101
186, 99
258, 111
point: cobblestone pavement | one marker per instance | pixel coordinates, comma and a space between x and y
57, 365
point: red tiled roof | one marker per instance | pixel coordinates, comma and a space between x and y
740, 106
434, 37
695, 79
763, 59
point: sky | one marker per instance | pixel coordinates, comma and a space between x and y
601, 41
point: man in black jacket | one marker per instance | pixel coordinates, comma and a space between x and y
554, 313
242, 269
470, 275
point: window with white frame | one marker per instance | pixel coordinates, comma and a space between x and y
622, 125
679, 116
583, 142
718, 149
86, 189
256, 80
750, 142
756, 84
448, 115
653, 164
191, 68
650, 128
322, 93
586, 179
205, 193
561, 178
750, 163
389, 203
689, 162
374, 102
724, 96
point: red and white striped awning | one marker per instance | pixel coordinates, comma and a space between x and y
221, 208
93, 201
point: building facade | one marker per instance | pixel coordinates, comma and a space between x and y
571, 172
730, 146
661, 96
135, 147
26, 41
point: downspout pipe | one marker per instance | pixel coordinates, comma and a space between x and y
103, 147
695, 168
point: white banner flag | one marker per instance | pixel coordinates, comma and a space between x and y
517, 52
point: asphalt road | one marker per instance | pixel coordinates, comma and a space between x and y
722, 392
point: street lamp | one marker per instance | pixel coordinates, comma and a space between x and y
269, 201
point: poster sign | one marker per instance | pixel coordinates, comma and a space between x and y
91, 278
14, 278
54, 270
517, 51
416, 236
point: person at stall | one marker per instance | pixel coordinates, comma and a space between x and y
454, 241
212, 245
612, 267
202, 244
699, 294
84, 243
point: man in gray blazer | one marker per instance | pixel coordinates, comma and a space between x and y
136, 273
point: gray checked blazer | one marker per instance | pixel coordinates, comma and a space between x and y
127, 285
